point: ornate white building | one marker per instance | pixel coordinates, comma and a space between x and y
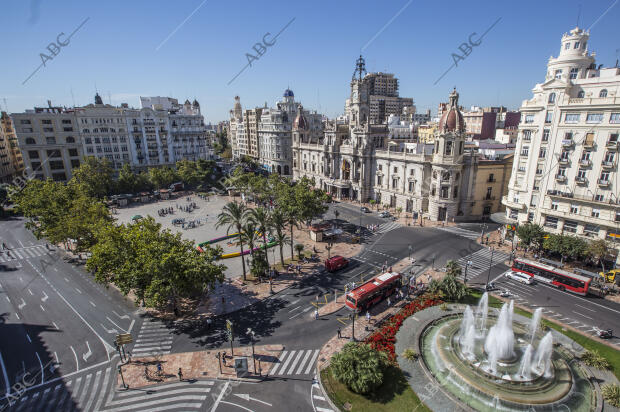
356, 159
565, 172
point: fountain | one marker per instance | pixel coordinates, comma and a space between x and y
534, 323
488, 359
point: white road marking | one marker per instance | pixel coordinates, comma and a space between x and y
8, 299
42, 308
122, 317
581, 314
42, 371
248, 398
108, 330
17, 315
312, 360
318, 397
87, 354
78, 291
591, 310
55, 325
20, 243
219, 398
295, 308
6, 377
28, 337
91, 302
77, 364
131, 326
45, 297
29, 291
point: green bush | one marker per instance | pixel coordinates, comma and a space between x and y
611, 393
359, 367
410, 354
594, 359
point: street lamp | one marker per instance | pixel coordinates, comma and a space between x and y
120, 371
467, 265
410, 250
490, 265
251, 333
352, 317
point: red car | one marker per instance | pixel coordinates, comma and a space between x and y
335, 263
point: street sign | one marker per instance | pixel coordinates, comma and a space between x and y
123, 338
229, 325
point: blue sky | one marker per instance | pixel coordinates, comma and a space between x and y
130, 48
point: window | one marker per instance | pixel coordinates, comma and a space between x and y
603, 93
59, 176
530, 217
551, 98
613, 138
566, 46
24, 122
46, 121
456, 192
73, 152
545, 135
491, 177
411, 186
617, 219
594, 118
581, 174
542, 153
571, 118
489, 190
562, 171
574, 209
27, 129
564, 156
581, 94
527, 135
30, 140
529, 118
554, 205
558, 74
57, 165
599, 198
379, 180
595, 212
395, 169
570, 226
551, 222
70, 139
394, 183
88, 140
66, 121
67, 129
574, 71
604, 177
33, 154
614, 118
50, 140
75, 163
525, 151
448, 148
576, 46
48, 129
539, 170
548, 117
53, 153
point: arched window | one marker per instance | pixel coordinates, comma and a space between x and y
70, 139
279, 169
581, 94
603, 93
286, 169
551, 98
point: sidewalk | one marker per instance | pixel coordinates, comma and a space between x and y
198, 365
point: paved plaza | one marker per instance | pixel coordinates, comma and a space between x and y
205, 216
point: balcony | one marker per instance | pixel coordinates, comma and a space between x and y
568, 143
608, 164
603, 182
585, 163
511, 204
491, 180
564, 161
581, 180
560, 178
589, 144
612, 145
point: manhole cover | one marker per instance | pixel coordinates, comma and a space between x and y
347, 406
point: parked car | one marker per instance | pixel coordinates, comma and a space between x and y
335, 263
520, 277
365, 209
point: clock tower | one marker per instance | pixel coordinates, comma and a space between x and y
359, 102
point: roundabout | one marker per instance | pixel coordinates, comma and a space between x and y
485, 359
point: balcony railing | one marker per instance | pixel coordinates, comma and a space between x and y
560, 178
564, 160
603, 182
568, 143
581, 180
585, 163
608, 164
612, 144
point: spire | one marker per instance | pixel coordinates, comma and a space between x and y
360, 68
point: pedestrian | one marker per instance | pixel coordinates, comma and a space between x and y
339, 333
389, 302
390, 269
367, 316
180, 374
316, 299
316, 314
158, 368
209, 321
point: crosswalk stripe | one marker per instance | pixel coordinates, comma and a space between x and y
303, 362
117, 405
197, 384
93, 391
323, 409
288, 360
78, 382
149, 348
106, 379
297, 359
277, 365
85, 389
312, 360
15, 252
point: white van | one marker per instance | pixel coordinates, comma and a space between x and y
520, 277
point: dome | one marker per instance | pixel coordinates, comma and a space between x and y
300, 122
452, 119
289, 93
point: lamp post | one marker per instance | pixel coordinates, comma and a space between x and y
467, 265
352, 317
490, 265
410, 250
120, 372
251, 333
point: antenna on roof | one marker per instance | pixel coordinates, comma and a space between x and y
578, 15
72, 97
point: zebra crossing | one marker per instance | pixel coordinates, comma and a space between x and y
480, 260
387, 227
23, 253
319, 399
469, 234
154, 338
98, 391
295, 362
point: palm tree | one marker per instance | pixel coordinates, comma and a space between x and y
234, 215
292, 221
453, 268
278, 223
260, 217
249, 236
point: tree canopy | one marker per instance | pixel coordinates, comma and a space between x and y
359, 367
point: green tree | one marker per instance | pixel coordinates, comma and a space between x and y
278, 223
162, 177
359, 367
259, 265
83, 220
234, 215
299, 248
127, 181
531, 235
565, 246
261, 219
452, 289
94, 176
453, 268
372, 202
399, 210
598, 249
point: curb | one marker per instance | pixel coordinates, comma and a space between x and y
327, 397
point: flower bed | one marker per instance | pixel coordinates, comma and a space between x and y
383, 339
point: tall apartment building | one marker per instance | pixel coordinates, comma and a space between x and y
252, 118
54, 139
565, 172
383, 97
11, 161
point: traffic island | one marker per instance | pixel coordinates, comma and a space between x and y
141, 372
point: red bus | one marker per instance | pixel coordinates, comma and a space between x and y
552, 276
373, 291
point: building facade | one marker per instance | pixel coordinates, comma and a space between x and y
54, 139
356, 159
11, 161
565, 172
